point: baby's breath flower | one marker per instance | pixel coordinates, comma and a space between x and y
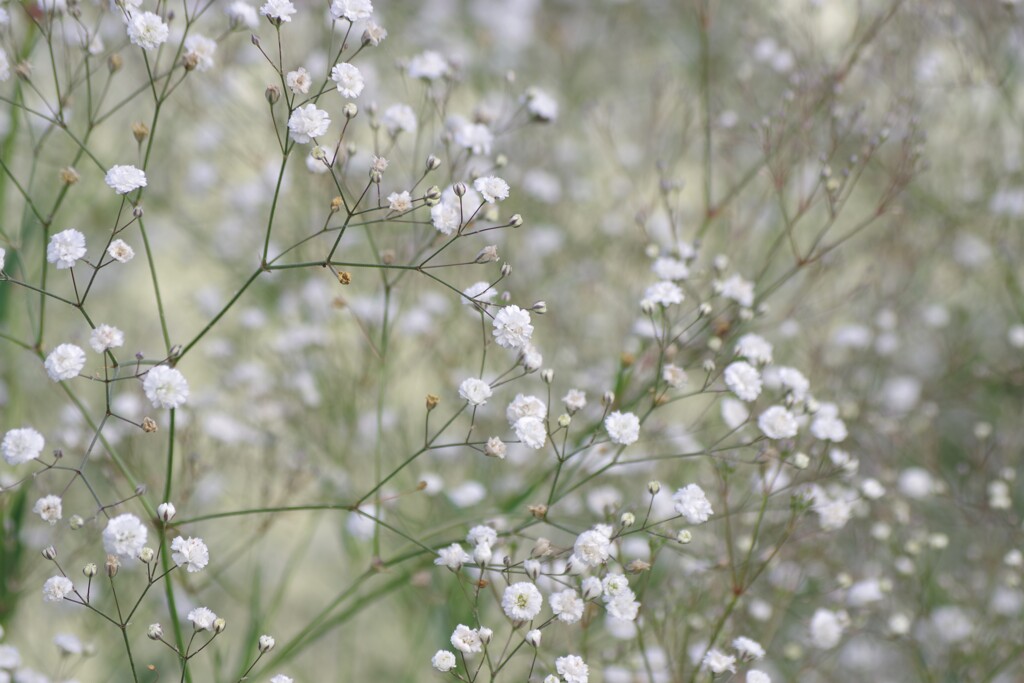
65, 248
202, 618
57, 588
278, 10
147, 30
491, 188
443, 661
165, 387
512, 328
475, 391
572, 669
49, 509
522, 601
105, 337
691, 502
120, 251
64, 362
623, 428
348, 79
124, 536
190, 553
308, 122
21, 445
778, 423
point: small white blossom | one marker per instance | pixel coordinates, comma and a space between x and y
443, 661
475, 391
749, 649
307, 123
190, 553
778, 423
491, 188
65, 248
531, 431
21, 445
352, 10
202, 618
452, 557
199, 50
743, 379
592, 548
57, 588
298, 81
348, 79
754, 348
105, 337
278, 10
399, 118
165, 387
663, 293
428, 65
400, 202
692, 503
572, 669
241, 13
717, 662
49, 508
65, 362
120, 251
567, 606
512, 328
147, 30
826, 629
522, 601
476, 137
466, 640
623, 428
124, 536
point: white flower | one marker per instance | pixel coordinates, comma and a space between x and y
567, 606
443, 661
743, 379
734, 413
21, 445
353, 10
691, 502
147, 30
623, 606
668, 268
5, 66
495, 448
120, 251
575, 400
491, 188
349, 80
754, 348
400, 201
572, 668
512, 328
474, 390
623, 428
278, 10
3, 258
718, 662
777, 423
739, 290
190, 553
241, 13
124, 536
482, 535
65, 362
202, 618
530, 358
755, 676
65, 248
466, 640
165, 387
663, 293
476, 137
57, 588
827, 425
540, 105
298, 81
166, 511
105, 337
399, 118
307, 123
124, 179
794, 381
374, 34
452, 557
592, 548
673, 375
522, 601
199, 50
532, 432
49, 509
281, 678
748, 649
826, 629
446, 217
525, 406
428, 65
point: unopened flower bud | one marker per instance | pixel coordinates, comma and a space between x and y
350, 110
272, 93
433, 193
266, 644
375, 176
516, 221
433, 163
506, 269
541, 307
459, 189
138, 212
533, 637
532, 569
627, 519
114, 63
219, 625
432, 401
708, 365
564, 420
49, 552
801, 461
90, 570
146, 555
608, 398
165, 511
500, 161
488, 254
548, 375
653, 487
539, 511
541, 547
704, 309
336, 204
149, 425
113, 564
155, 632
69, 176
485, 634
76, 522
684, 536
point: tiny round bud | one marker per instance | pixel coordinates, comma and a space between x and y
533, 637
433, 163
266, 644
541, 547
149, 425
653, 487
154, 632
539, 511
485, 634
350, 110
336, 204
432, 401
114, 63
704, 309
648, 307
516, 221
495, 448
433, 193
76, 522
506, 269
564, 420
90, 570
715, 344
50, 553
608, 398
113, 564
165, 511
627, 519
500, 161
532, 569
272, 93
684, 536
459, 189
548, 375
801, 461
255, 39
219, 625
138, 212
708, 365
69, 176
541, 307
375, 176
147, 554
